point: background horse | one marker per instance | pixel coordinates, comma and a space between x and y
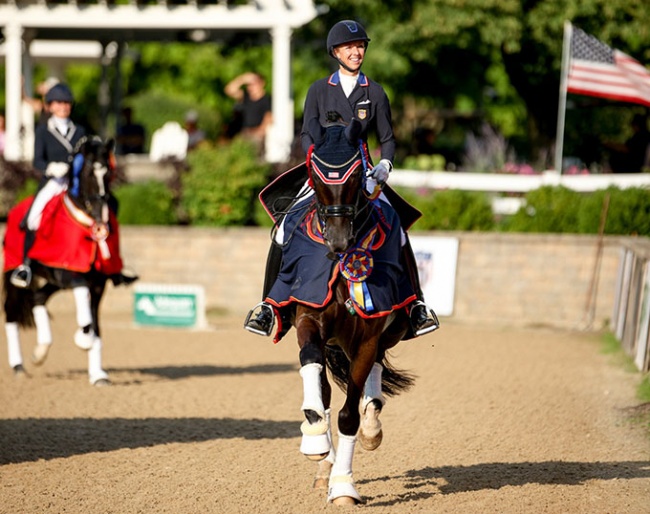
76, 247
361, 237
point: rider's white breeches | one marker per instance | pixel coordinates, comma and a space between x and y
52, 187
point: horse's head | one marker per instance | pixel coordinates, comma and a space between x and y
337, 164
89, 179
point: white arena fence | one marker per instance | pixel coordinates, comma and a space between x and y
509, 183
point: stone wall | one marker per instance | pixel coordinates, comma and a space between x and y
511, 279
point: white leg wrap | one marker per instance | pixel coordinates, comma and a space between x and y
341, 482
82, 301
311, 389
95, 370
372, 389
84, 318
13, 344
42, 322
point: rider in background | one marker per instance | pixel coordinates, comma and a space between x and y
349, 93
54, 142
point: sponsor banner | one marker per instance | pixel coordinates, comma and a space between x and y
172, 305
437, 259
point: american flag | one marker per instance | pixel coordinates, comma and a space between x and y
595, 69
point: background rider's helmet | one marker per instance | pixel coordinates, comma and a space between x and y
59, 93
343, 32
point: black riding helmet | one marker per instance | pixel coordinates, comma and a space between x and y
343, 32
59, 93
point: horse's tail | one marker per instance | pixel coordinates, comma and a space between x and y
393, 381
18, 303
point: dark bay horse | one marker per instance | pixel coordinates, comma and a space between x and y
347, 334
76, 247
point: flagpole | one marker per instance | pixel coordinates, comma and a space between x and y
559, 135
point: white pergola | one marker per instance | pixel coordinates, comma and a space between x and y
24, 22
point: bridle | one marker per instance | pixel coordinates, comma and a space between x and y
90, 209
359, 211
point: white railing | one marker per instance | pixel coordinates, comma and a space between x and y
506, 183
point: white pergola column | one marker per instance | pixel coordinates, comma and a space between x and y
279, 137
13, 33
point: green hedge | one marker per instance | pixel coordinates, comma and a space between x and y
560, 210
147, 203
451, 210
222, 185
546, 210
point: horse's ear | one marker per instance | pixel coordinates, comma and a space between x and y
316, 131
353, 131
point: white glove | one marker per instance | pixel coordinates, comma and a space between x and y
381, 171
56, 169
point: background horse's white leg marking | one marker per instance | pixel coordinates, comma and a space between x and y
96, 374
13, 344
315, 443
84, 318
341, 486
43, 334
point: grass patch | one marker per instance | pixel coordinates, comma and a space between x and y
639, 414
612, 347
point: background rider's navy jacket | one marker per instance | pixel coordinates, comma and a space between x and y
51, 146
367, 102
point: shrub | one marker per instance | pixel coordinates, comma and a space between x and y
452, 210
222, 184
560, 210
547, 209
147, 203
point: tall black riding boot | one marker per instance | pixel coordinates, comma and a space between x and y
262, 322
22, 275
423, 319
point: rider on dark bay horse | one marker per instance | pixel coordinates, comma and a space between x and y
348, 94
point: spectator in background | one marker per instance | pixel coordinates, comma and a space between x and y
254, 106
631, 156
130, 136
195, 136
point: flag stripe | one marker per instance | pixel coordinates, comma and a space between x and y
595, 69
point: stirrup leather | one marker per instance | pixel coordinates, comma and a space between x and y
262, 305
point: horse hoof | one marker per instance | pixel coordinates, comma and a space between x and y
370, 443
100, 379
102, 382
40, 354
370, 433
19, 371
345, 501
84, 340
317, 457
